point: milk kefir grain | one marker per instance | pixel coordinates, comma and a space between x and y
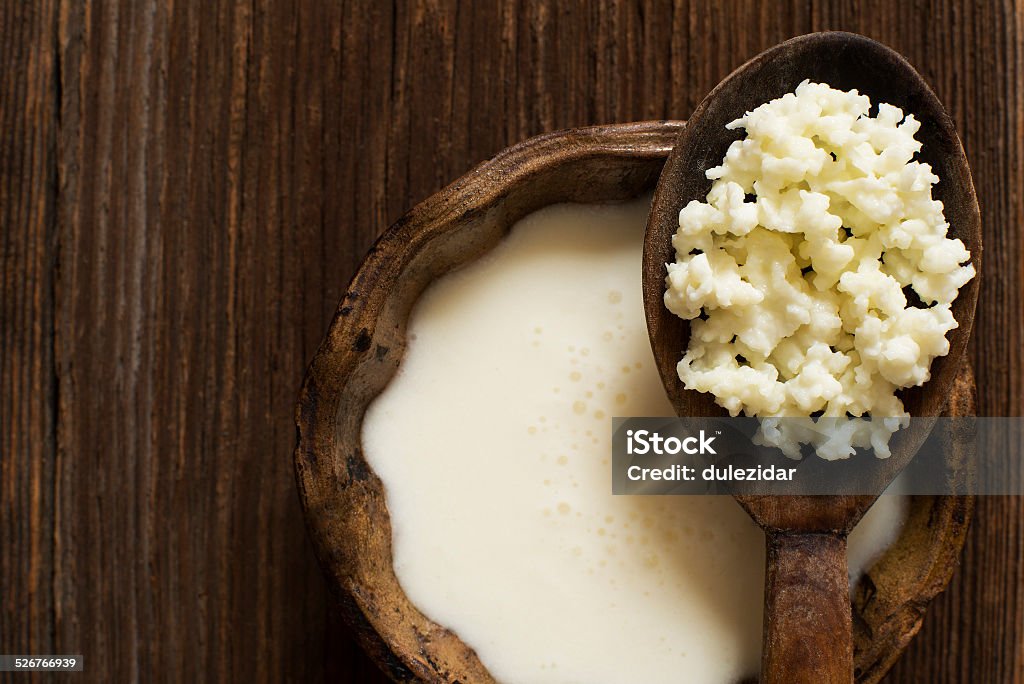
818, 274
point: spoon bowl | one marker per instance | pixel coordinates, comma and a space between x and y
807, 608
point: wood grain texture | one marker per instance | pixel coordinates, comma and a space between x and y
186, 188
183, 231
813, 604
28, 391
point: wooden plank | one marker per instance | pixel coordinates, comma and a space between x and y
190, 184
28, 383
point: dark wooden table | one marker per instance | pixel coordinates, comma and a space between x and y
186, 188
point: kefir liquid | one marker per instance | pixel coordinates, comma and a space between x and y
493, 443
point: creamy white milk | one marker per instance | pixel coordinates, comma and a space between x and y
493, 443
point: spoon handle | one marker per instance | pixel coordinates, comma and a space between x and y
807, 627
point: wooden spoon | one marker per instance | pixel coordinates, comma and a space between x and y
807, 628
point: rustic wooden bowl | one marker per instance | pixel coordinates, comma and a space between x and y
343, 498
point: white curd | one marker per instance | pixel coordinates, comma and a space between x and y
817, 226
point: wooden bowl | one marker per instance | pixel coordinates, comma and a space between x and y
344, 499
